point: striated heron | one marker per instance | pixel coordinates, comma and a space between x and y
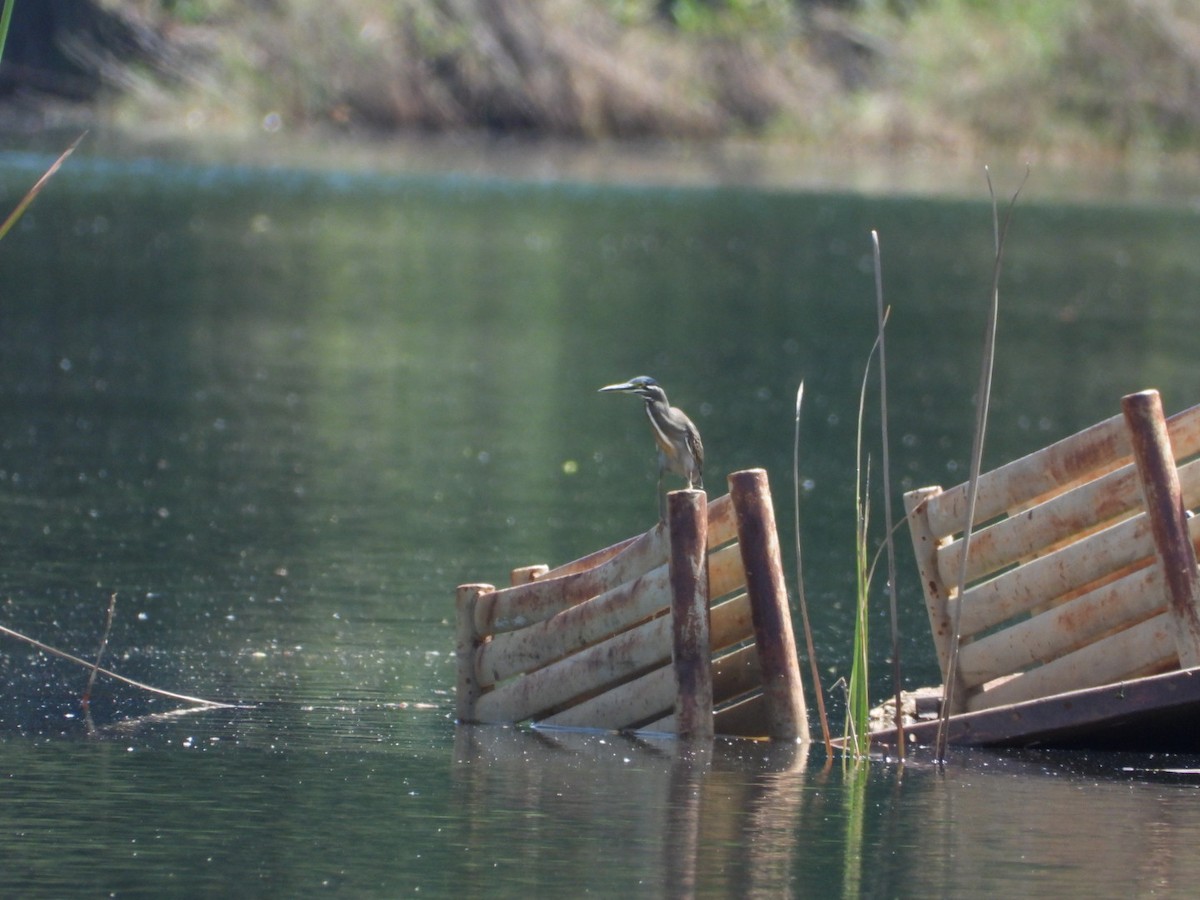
679, 447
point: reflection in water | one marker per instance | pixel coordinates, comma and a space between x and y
988, 820
283, 413
722, 817
616, 814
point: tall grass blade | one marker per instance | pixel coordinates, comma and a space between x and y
37, 188
858, 704
889, 542
1000, 232
808, 634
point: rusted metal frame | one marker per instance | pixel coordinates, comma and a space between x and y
691, 656
481, 607
1168, 518
782, 687
935, 516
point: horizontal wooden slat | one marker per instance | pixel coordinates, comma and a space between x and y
744, 718
601, 665
1037, 582
1040, 580
1027, 533
1058, 631
583, 624
1013, 484
647, 696
610, 662
722, 521
1097, 449
599, 557
741, 719
1084, 508
1145, 648
1183, 429
731, 623
516, 607
735, 674
725, 572
653, 695
528, 649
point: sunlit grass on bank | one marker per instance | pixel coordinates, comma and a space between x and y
949, 78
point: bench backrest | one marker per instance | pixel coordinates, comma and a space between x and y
589, 644
1064, 588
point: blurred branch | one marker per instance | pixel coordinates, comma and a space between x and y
36, 189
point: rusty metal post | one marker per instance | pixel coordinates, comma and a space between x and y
687, 516
1168, 519
467, 641
782, 688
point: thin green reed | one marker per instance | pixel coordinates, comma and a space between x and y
858, 703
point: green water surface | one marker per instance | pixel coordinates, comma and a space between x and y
281, 413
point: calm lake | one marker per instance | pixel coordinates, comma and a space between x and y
282, 411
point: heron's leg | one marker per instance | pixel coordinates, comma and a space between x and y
662, 496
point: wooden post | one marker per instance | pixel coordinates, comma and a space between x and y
925, 549
467, 640
1168, 519
687, 515
782, 688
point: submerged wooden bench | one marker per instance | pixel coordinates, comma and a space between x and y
1080, 567
684, 629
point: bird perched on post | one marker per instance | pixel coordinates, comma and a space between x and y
679, 447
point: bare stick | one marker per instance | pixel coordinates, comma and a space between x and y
808, 634
16, 214
887, 491
87, 692
62, 654
981, 413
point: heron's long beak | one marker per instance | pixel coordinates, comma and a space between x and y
626, 386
